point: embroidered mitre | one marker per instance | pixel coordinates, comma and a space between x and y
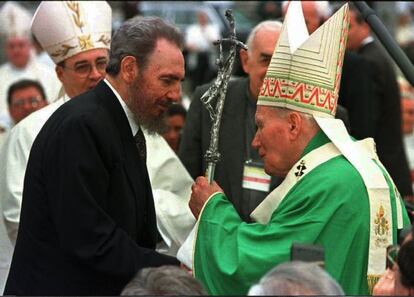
14, 20
66, 28
305, 71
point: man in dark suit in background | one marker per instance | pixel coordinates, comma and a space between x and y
356, 92
87, 221
388, 133
237, 127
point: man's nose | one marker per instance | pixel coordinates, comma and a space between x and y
95, 73
255, 142
175, 94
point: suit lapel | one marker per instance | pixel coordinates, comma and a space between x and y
132, 161
233, 137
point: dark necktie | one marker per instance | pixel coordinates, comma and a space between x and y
142, 148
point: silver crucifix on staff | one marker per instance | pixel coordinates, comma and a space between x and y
217, 92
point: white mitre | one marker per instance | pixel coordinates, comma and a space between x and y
66, 28
14, 20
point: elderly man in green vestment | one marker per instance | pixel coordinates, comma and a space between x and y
335, 193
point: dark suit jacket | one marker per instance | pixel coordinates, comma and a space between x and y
357, 95
388, 134
196, 139
87, 221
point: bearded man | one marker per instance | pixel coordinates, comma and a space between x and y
87, 223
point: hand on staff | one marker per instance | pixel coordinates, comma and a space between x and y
201, 191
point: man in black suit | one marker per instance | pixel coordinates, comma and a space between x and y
87, 223
388, 132
356, 92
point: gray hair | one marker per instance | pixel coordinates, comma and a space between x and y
137, 37
323, 8
296, 278
270, 25
284, 112
164, 280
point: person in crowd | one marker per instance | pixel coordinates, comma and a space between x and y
268, 10
15, 26
332, 184
24, 97
88, 225
388, 135
175, 123
398, 280
356, 92
164, 280
201, 52
296, 278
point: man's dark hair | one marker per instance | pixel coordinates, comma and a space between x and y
405, 260
24, 84
176, 109
137, 37
164, 280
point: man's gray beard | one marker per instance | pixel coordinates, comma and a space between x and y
138, 104
151, 125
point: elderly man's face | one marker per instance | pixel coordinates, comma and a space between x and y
24, 102
157, 86
18, 51
83, 71
256, 61
272, 141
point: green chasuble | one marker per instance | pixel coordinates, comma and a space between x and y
328, 207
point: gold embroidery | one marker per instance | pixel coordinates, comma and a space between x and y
63, 51
74, 6
85, 42
381, 223
104, 40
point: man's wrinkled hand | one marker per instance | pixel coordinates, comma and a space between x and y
201, 191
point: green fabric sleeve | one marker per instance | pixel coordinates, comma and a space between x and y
328, 207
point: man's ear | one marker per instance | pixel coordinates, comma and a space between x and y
295, 125
244, 58
129, 69
59, 73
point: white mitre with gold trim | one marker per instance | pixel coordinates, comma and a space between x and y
66, 28
14, 20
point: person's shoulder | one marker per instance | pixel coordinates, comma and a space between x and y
339, 173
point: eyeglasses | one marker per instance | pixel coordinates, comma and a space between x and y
392, 253
83, 70
33, 101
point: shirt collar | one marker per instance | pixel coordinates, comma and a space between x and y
128, 112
